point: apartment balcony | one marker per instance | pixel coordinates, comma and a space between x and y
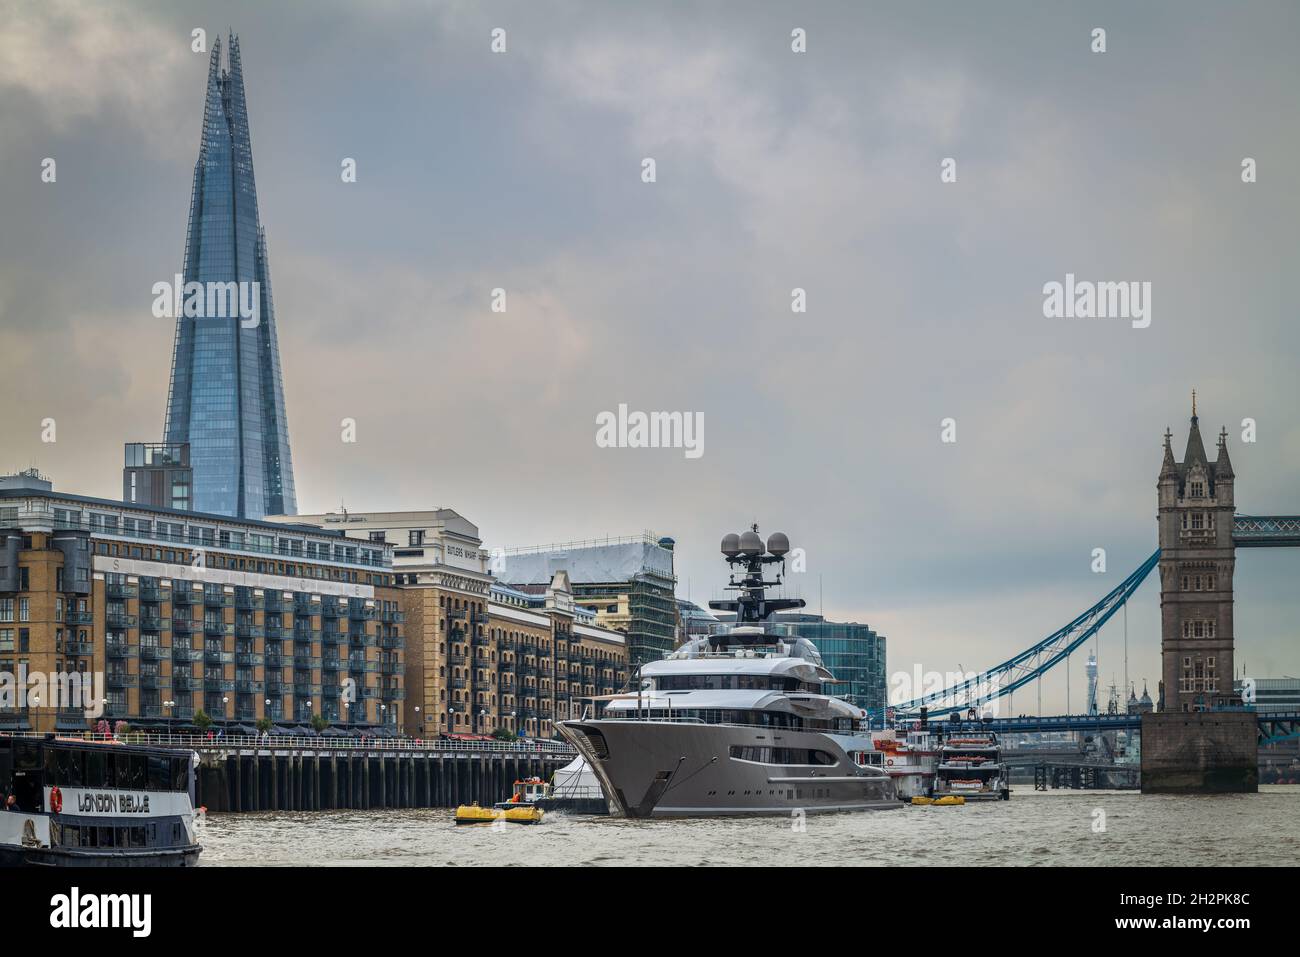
186, 683
304, 605
276, 660
303, 632
79, 648
456, 614
305, 662
218, 628
217, 599
186, 655
358, 611
276, 604
330, 608
396, 617
458, 683
274, 627
183, 626
361, 666
119, 650
305, 689
275, 684
249, 630
154, 592
120, 590
152, 653
114, 619
391, 667
333, 637
117, 680
392, 694
330, 665
154, 624
155, 682
248, 686
363, 641
79, 618
212, 656
249, 659
218, 684
249, 602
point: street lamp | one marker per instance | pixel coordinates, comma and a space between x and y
169, 704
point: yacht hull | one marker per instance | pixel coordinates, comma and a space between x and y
666, 769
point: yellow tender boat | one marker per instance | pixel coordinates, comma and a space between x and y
523, 814
948, 800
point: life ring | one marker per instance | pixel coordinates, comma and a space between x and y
889, 761
56, 800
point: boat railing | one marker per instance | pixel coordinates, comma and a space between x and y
632, 715
201, 742
579, 791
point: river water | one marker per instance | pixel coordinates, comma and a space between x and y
1033, 828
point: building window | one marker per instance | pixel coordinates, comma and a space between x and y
24, 609
415, 537
1198, 489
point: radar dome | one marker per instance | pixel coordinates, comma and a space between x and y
751, 544
778, 544
731, 545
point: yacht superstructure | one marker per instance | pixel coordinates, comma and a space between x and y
737, 722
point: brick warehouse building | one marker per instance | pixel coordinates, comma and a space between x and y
480, 655
183, 611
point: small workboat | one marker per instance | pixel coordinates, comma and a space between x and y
948, 800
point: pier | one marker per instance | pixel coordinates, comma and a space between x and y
237, 774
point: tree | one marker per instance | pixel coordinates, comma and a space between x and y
263, 724
501, 734
201, 720
319, 723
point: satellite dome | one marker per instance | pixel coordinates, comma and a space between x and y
731, 545
778, 544
751, 545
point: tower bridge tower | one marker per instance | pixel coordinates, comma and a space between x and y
1197, 559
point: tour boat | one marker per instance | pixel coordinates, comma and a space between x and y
71, 802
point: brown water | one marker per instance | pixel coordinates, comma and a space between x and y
1034, 828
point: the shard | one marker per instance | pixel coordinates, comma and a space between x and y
226, 397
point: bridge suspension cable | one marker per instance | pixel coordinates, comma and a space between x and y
1033, 662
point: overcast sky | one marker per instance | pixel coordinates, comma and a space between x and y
775, 170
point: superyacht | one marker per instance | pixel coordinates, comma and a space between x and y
738, 722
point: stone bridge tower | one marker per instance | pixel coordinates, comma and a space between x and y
1197, 558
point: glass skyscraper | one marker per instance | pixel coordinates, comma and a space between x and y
226, 398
